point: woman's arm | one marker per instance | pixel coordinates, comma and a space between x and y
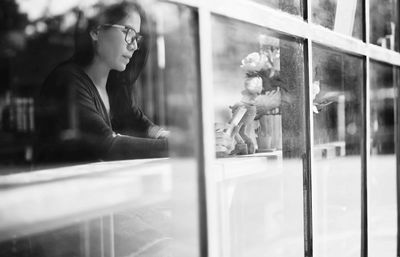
111, 145
127, 118
73, 127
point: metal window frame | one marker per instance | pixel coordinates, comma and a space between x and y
397, 149
300, 27
308, 159
366, 142
258, 14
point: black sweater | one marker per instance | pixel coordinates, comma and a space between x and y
73, 124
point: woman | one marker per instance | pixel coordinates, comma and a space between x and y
86, 113
85, 109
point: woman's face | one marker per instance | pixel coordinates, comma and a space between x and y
112, 49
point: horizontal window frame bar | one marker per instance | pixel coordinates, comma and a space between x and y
294, 26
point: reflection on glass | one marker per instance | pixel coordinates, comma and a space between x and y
382, 205
258, 106
384, 23
166, 91
290, 6
61, 132
135, 232
254, 71
342, 16
337, 91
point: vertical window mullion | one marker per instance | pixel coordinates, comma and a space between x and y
397, 132
397, 148
367, 21
208, 222
308, 158
365, 147
306, 10
365, 144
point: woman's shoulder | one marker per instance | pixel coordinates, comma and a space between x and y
67, 70
66, 75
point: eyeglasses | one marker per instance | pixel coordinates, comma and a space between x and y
130, 33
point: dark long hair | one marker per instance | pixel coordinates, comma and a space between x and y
84, 48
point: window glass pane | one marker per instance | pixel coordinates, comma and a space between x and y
261, 178
68, 114
151, 200
145, 228
337, 89
384, 23
382, 204
290, 6
342, 16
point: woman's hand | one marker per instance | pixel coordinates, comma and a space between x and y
158, 132
163, 134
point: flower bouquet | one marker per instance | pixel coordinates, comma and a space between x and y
266, 65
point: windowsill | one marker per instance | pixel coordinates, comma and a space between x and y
51, 174
47, 199
245, 166
269, 155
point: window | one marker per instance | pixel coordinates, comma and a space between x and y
39, 128
337, 86
292, 7
384, 23
93, 208
342, 16
382, 165
283, 121
261, 191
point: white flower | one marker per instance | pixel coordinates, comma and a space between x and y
315, 91
253, 85
253, 62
